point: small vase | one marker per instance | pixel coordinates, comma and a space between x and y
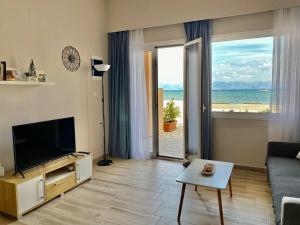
32, 71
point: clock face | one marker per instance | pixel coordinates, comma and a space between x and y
71, 58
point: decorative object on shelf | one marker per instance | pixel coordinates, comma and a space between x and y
11, 74
3, 70
2, 170
71, 58
70, 168
20, 76
98, 70
31, 72
42, 77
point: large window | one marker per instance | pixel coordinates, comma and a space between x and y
242, 75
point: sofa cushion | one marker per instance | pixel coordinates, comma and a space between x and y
279, 166
283, 149
284, 175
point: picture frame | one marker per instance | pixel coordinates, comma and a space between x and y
3, 70
1, 75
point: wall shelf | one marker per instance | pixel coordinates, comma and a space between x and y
26, 83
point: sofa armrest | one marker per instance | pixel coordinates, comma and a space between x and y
283, 149
290, 211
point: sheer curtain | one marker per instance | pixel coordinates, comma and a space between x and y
140, 140
285, 105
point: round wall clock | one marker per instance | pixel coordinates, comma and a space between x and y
71, 58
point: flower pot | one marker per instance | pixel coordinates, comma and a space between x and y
168, 127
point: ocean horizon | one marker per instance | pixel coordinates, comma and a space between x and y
257, 96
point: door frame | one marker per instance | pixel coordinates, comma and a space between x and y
155, 147
155, 128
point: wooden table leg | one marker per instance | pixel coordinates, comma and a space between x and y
220, 207
196, 188
230, 188
181, 202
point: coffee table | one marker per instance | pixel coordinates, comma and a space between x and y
219, 180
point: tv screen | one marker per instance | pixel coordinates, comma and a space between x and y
38, 143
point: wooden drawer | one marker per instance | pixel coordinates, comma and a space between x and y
56, 188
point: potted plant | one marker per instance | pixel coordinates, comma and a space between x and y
171, 112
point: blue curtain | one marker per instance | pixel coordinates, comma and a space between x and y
119, 108
194, 30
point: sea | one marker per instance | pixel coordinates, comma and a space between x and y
228, 96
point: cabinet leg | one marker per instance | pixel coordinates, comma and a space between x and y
19, 217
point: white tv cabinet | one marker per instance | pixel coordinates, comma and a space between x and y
20, 195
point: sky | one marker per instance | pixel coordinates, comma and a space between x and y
247, 60
170, 66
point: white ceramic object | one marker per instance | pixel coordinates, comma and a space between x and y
2, 171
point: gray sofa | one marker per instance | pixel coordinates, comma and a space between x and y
284, 177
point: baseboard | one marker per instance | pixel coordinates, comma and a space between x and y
251, 168
236, 166
169, 159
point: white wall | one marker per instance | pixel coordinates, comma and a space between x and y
39, 30
133, 14
234, 24
243, 142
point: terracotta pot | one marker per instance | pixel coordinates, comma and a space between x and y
168, 127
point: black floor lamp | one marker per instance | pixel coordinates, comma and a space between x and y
98, 70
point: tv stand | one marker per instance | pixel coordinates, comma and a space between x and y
20, 195
20, 172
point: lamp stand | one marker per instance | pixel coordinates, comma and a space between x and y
104, 161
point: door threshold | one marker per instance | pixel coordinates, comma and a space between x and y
168, 158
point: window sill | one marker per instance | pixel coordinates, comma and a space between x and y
241, 115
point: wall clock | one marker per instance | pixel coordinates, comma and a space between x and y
71, 58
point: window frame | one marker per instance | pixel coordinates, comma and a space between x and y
241, 36
148, 46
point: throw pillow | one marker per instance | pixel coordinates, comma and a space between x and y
298, 156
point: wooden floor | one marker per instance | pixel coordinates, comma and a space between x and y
145, 192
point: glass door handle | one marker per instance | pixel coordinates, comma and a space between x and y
203, 108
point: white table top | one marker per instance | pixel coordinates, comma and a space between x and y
219, 180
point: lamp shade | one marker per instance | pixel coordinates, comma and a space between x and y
102, 67
98, 67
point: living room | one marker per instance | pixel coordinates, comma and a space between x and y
167, 112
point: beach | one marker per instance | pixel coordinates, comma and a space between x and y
251, 101
251, 108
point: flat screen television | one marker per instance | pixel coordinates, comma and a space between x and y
37, 143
